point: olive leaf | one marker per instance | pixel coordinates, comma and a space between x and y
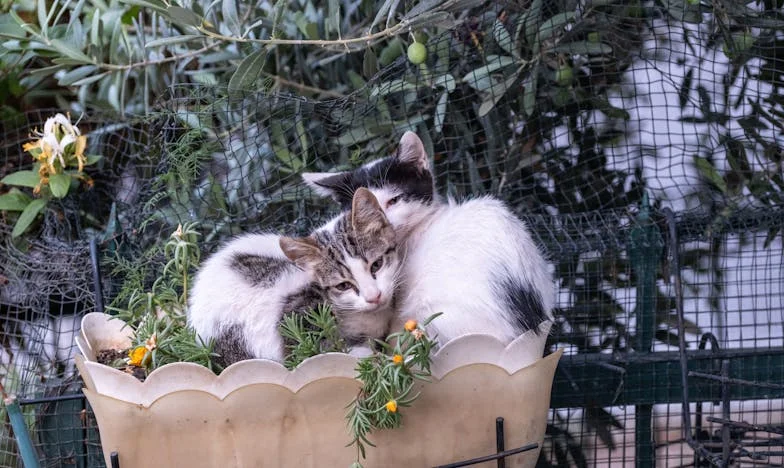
529, 99
496, 93
709, 172
183, 16
440, 115
248, 71
479, 78
503, 38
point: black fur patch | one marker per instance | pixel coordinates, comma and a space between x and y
304, 299
524, 303
231, 347
258, 270
415, 183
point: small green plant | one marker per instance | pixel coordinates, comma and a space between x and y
58, 170
309, 334
161, 334
388, 378
388, 375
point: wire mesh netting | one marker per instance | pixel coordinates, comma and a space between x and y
639, 141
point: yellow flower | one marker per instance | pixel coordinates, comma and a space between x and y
391, 406
397, 359
81, 144
410, 325
31, 146
136, 356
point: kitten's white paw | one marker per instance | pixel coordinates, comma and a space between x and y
360, 351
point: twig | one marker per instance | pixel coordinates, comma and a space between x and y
146, 63
394, 30
303, 87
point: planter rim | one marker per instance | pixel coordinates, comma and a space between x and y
99, 330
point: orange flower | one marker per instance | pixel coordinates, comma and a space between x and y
410, 325
136, 356
397, 359
391, 406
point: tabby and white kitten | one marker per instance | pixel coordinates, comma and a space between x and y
241, 293
475, 261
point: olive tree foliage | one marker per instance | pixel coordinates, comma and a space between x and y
522, 99
123, 54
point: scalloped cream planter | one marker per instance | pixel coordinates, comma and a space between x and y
258, 414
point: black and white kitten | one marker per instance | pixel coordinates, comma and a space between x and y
241, 293
475, 261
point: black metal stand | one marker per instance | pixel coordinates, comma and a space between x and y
500, 454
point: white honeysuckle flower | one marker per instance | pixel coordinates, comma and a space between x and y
52, 148
60, 119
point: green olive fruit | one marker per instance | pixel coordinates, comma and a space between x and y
417, 53
564, 75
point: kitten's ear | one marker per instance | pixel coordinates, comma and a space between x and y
303, 251
366, 214
325, 184
412, 151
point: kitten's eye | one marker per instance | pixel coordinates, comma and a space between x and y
344, 286
376, 266
393, 200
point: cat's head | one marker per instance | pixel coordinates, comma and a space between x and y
402, 183
356, 261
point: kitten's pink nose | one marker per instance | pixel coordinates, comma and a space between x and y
376, 300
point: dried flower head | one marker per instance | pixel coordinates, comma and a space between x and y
152, 342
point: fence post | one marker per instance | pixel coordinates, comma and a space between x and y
645, 248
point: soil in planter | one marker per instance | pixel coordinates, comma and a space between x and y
116, 358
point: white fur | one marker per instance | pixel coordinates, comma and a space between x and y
220, 297
452, 258
403, 216
455, 253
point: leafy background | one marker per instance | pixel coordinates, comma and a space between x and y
571, 111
